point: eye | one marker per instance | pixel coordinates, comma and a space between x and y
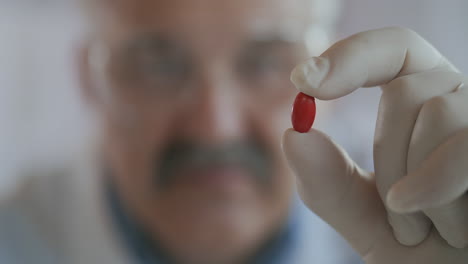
259, 64
165, 67
159, 71
265, 69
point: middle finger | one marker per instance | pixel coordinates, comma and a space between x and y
401, 102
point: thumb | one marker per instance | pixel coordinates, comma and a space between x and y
336, 189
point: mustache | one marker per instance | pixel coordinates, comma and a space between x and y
251, 156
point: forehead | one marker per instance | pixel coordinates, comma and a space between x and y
221, 18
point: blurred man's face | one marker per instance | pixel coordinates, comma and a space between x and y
195, 96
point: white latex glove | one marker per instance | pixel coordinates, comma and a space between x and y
420, 150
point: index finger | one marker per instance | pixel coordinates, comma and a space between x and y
366, 59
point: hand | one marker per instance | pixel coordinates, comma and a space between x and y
420, 150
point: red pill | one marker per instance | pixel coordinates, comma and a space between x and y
303, 114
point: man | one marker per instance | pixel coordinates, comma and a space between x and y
193, 97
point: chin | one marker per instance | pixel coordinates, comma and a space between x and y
216, 213
233, 228
212, 226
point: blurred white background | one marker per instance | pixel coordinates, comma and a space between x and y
41, 117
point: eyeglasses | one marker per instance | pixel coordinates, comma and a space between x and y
149, 72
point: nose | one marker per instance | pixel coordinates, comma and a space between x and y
216, 113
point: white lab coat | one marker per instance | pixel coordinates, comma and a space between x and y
60, 216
